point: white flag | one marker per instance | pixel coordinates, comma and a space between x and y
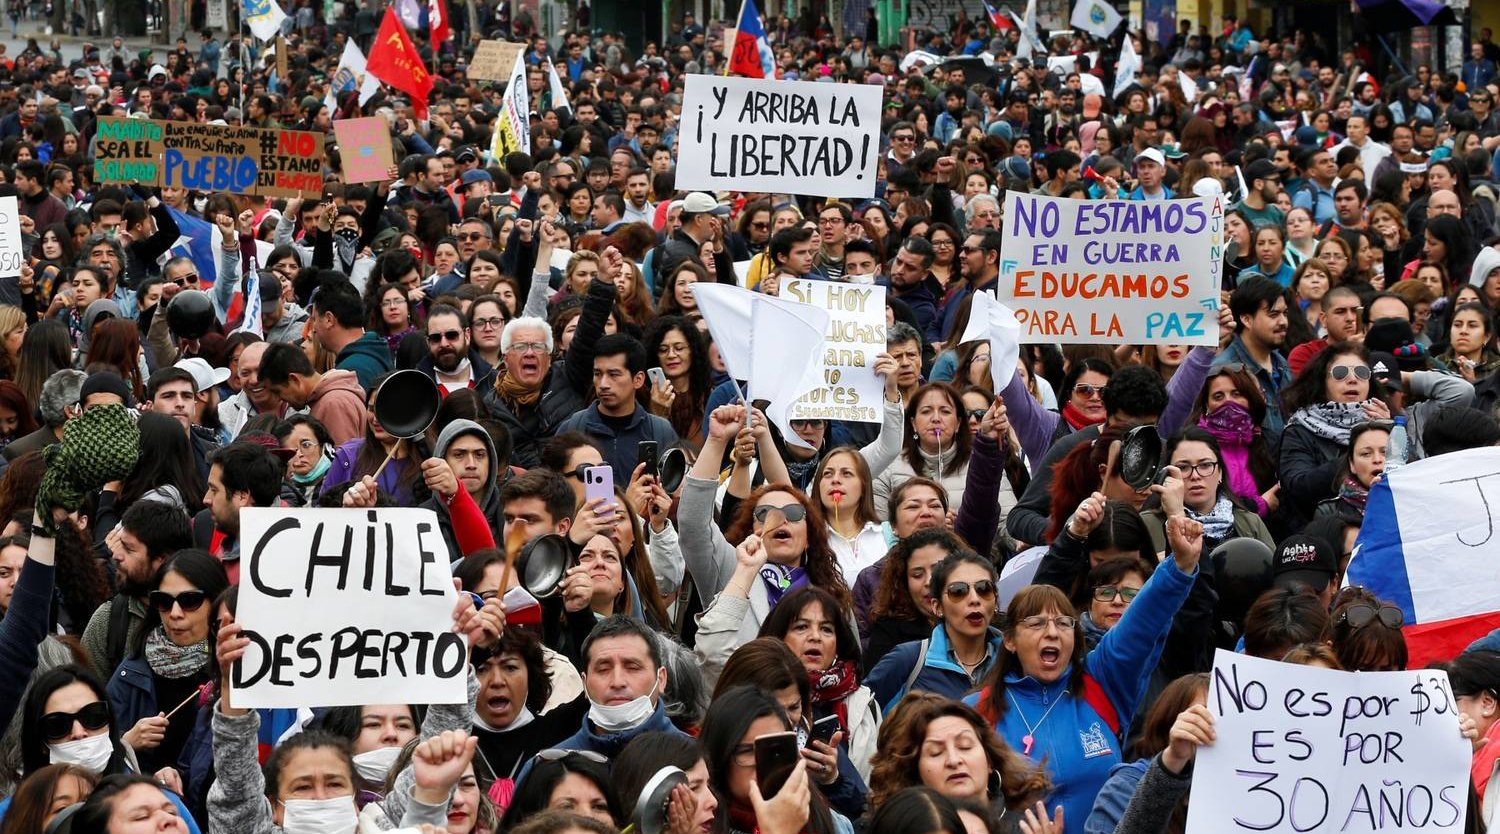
1129, 65
727, 308
351, 68
559, 93
1029, 41
1096, 17
996, 323
264, 17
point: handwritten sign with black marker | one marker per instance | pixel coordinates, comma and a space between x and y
789, 137
1303, 748
341, 604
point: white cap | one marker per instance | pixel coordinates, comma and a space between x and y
1152, 154
156, 69
700, 203
1208, 187
205, 376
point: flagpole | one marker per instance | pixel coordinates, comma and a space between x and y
729, 59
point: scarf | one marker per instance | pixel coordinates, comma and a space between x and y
779, 579
1218, 523
171, 660
1331, 421
515, 393
1077, 419
833, 685
1230, 424
1354, 493
742, 820
317, 472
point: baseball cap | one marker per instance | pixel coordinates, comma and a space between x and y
1091, 104
205, 376
156, 70
1305, 560
1261, 169
1152, 154
477, 175
466, 152
81, 73
1384, 367
701, 203
270, 287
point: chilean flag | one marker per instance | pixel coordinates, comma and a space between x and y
752, 56
1429, 545
437, 16
998, 19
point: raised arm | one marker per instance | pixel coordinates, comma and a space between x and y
883, 450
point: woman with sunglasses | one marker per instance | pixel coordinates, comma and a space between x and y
962, 646
1332, 395
170, 660
1063, 704
1366, 633
576, 781
1358, 467
902, 607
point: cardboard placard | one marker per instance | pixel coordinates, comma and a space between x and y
493, 59
788, 137
281, 58
364, 148
269, 162
337, 602
1302, 748
1113, 271
855, 336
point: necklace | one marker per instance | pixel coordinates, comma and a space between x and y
1030, 738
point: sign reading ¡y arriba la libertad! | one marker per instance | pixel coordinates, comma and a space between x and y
336, 600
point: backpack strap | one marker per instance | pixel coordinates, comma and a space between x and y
119, 623
1094, 696
916, 668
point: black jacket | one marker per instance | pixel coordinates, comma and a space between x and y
681, 247
1307, 465
482, 373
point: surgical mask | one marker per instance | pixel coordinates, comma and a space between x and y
91, 754
374, 765
199, 204
319, 816
618, 718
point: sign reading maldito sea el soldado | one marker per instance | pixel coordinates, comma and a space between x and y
1113, 271
788, 137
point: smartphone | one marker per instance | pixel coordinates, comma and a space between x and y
775, 756
599, 484
824, 729
496, 199
645, 452
657, 376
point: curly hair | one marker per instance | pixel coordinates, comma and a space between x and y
892, 599
818, 560
898, 751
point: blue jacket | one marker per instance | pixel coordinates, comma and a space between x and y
940, 670
131, 692
1071, 738
610, 745
1271, 382
620, 450
1109, 806
1140, 194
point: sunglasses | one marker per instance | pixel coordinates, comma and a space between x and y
791, 512
959, 591
552, 754
58, 725
1087, 390
1341, 372
977, 413
189, 600
446, 335
468, 236
1107, 593
1359, 616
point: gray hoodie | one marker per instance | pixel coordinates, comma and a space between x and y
102, 307
489, 497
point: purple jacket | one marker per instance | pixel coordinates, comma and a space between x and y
342, 471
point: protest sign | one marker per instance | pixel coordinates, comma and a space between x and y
11, 254
269, 162
333, 601
492, 59
364, 148
282, 67
1113, 271
855, 336
1302, 748
797, 137
218, 14
1428, 546
513, 127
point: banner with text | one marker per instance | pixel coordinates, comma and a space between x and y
12, 252
1113, 271
269, 162
336, 601
493, 59
856, 335
1303, 748
789, 137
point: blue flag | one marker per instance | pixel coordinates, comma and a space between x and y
197, 242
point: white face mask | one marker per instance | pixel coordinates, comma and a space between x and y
91, 754
374, 765
618, 718
319, 816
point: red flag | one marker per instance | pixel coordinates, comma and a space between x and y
437, 22
394, 60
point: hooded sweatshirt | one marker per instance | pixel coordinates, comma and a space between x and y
368, 357
91, 315
338, 402
488, 498
1486, 261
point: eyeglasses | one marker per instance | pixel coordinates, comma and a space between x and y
1202, 469
471, 236
307, 445
488, 323
189, 600
968, 250
1088, 391
1341, 372
830, 221
959, 591
791, 512
942, 244
1039, 622
58, 725
1107, 593
446, 335
760, 224
393, 303
527, 347
905, 137
1361, 615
